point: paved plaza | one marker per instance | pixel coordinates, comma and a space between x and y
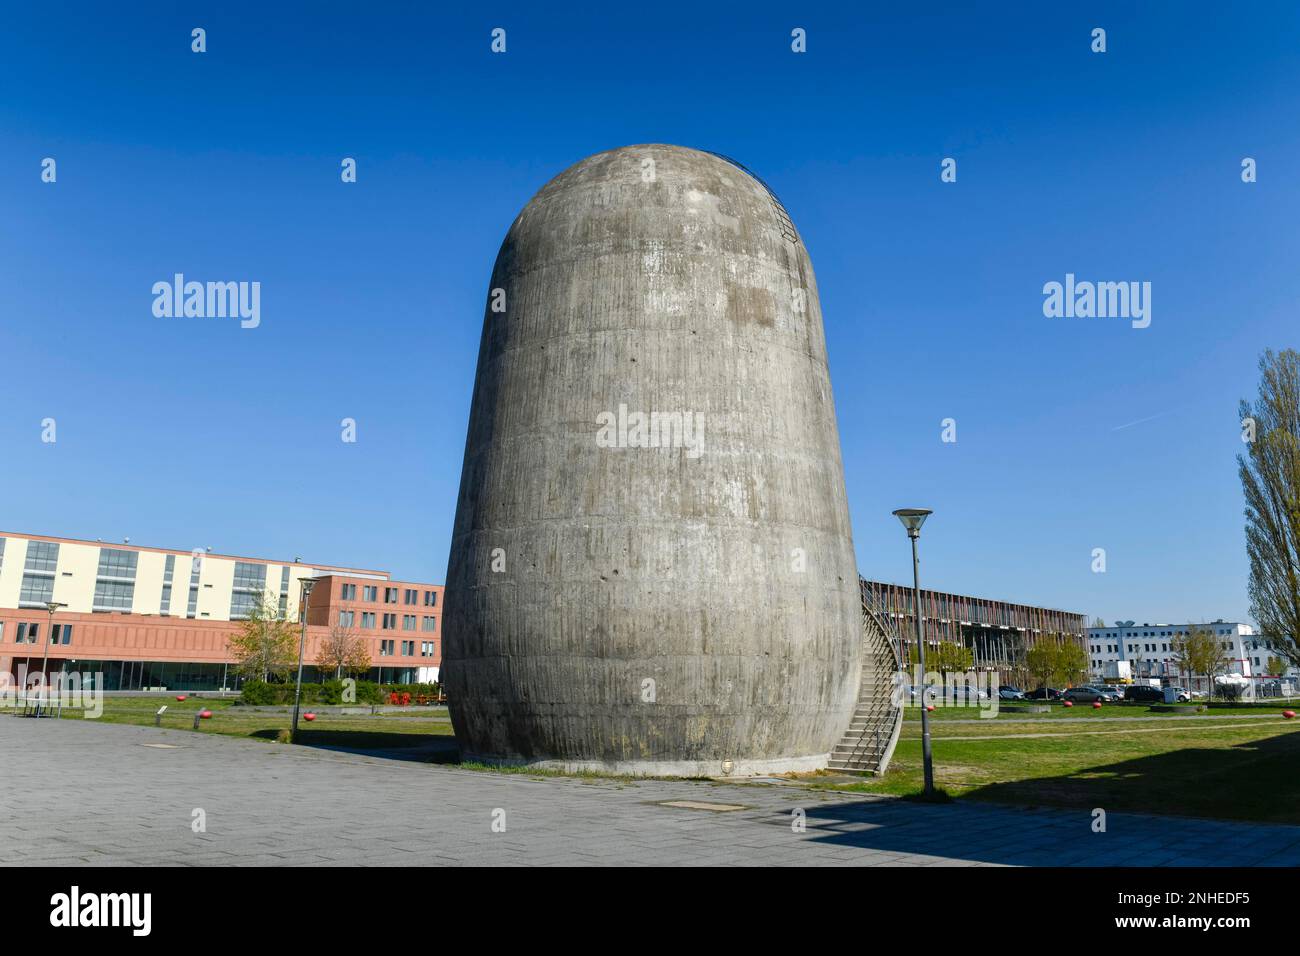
75, 792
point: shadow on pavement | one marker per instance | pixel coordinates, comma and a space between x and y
1231, 806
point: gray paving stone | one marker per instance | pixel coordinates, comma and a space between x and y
106, 799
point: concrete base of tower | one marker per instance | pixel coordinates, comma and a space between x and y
665, 768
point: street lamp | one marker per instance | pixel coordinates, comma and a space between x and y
51, 606
912, 519
307, 585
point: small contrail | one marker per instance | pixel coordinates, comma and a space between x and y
1140, 421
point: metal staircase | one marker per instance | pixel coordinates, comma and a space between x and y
868, 743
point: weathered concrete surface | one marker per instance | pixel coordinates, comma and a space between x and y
664, 280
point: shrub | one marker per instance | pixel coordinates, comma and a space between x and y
256, 692
331, 692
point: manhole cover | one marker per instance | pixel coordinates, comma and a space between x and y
703, 805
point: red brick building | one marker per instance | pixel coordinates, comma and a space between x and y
157, 618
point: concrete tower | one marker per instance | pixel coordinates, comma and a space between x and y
651, 568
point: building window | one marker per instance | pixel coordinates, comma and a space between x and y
390, 622
249, 576
42, 556
193, 604
368, 620
430, 598
247, 591
430, 624
169, 570
115, 580
411, 596
408, 648
370, 593
408, 622
426, 648
62, 634
390, 595
27, 633
385, 648
37, 590
346, 618
37, 587
284, 592
113, 595
349, 592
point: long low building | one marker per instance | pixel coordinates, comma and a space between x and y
999, 633
1150, 650
155, 618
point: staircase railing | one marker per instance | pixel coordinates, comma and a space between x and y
881, 661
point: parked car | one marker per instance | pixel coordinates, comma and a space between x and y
1082, 695
1143, 694
1108, 693
914, 694
1179, 694
1044, 693
1011, 693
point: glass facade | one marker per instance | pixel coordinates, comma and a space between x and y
249, 589
142, 675
37, 587
169, 570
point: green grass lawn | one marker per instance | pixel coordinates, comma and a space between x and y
412, 728
1243, 769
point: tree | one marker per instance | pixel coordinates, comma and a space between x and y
265, 645
1198, 652
343, 651
950, 657
1072, 661
1057, 660
1274, 666
1270, 481
1041, 663
1098, 622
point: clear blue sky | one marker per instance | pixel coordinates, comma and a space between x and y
225, 165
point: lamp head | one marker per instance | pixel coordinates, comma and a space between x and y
912, 519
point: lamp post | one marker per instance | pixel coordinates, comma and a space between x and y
51, 606
307, 584
912, 519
